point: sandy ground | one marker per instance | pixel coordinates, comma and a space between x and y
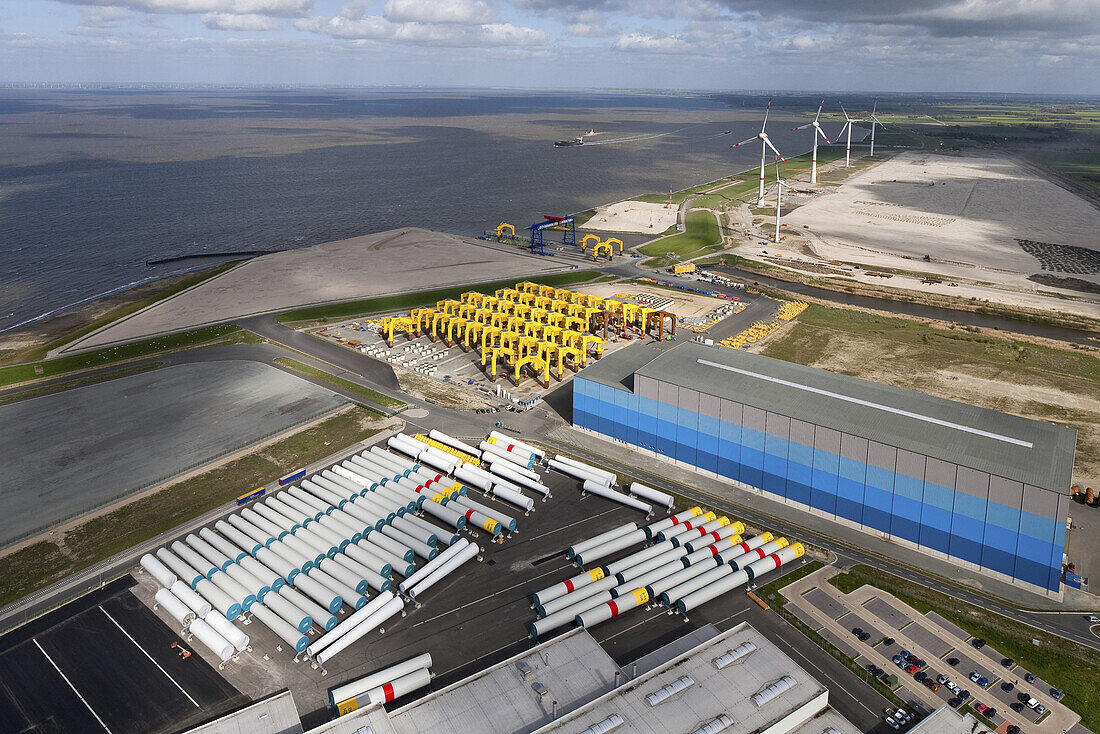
683, 303
379, 264
633, 216
964, 212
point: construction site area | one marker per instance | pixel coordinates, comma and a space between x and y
519, 341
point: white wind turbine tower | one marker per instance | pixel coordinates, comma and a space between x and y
848, 127
780, 184
817, 131
765, 143
874, 121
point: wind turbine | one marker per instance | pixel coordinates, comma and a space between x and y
765, 143
817, 131
848, 127
874, 121
780, 184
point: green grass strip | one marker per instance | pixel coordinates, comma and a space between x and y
701, 231
98, 358
346, 309
339, 383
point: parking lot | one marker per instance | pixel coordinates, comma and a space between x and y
935, 650
105, 663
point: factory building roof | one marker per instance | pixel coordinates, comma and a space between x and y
762, 690
1029, 451
276, 713
504, 699
945, 720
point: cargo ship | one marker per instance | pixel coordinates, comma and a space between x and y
569, 143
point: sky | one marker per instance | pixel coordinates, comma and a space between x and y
1029, 46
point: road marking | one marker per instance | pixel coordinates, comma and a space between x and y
839, 686
869, 404
154, 662
65, 678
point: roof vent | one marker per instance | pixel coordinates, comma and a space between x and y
715, 725
663, 694
732, 656
611, 722
831, 730
775, 689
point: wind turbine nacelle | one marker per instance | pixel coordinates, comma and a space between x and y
763, 136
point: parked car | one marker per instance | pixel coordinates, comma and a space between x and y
975, 676
911, 658
981, 708
1017, 707
932, 684
919, 677
1014, 729
1040, 709
893, 724
951, 686
1008, 662
954, 702
888, 641
952, 662
991, 712
941, 679
1007, 686
897, 659
983, 681
911, 668
865, 636
902, 715
905, 653
857, 631
1093, 619
1057, 694
979, 643
964, 694
1032, 702
1030, 677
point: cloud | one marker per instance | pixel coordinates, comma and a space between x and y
239, 22
354, 24
462, 12
274, 8
653, 43
588, 24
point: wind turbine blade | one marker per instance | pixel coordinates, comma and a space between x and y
840, 134
875, 109
769, 142
819, 110
767, 111
749, 140
803, 127
844, 111
830, 142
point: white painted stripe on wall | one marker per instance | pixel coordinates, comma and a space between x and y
869, 404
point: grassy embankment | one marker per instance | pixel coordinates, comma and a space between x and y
97, 538
136, 369
339, 383
329, 313
961, 363
1064, 664
181, 283
98, 358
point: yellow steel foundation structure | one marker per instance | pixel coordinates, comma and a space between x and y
530, 326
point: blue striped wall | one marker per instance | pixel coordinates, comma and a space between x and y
926, 501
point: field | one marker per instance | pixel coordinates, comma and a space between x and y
701, 232
1058, 661
89, 541
961, 363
